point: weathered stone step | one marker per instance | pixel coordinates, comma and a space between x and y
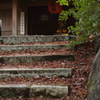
29, 59
34, 38
60, 72
30, 47
33, 91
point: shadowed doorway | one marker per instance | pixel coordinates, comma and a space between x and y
41, 21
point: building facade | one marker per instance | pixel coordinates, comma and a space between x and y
27, 17
20, 17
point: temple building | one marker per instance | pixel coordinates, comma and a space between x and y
28, 17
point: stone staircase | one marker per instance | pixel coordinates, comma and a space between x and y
21, 43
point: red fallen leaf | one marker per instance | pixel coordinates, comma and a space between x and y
74, 91
79, 86
66, 81
79, 92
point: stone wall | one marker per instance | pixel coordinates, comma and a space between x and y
94, 79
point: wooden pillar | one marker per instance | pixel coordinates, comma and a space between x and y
0, 26
14, 17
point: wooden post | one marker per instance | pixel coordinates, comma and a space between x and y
0, 26
14, 17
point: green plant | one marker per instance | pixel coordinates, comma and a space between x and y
87, 15
7, 93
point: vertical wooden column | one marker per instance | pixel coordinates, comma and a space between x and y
0, 26
14, 17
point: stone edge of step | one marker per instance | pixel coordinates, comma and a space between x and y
34, 90
29, 59
37, 69
33, 38
32, 47
60, 72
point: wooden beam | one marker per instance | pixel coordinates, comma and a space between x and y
14, 17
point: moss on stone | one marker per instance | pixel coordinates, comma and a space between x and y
7, 93
90, 86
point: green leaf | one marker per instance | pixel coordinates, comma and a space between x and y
87, 15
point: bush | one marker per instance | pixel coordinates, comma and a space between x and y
87, 15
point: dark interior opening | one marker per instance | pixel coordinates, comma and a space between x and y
41, 21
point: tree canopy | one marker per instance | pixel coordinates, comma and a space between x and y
87, 15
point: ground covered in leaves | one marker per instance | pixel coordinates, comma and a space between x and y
63, 51
40, 51
43, 43
84, 55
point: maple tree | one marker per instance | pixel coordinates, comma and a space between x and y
86, 13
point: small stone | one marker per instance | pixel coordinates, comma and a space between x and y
82, 64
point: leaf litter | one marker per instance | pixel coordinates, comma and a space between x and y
78, 90
40, 52
43, 43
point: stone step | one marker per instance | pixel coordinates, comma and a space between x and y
11, 40
33, 91
30, 59
30, 47
60, 72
